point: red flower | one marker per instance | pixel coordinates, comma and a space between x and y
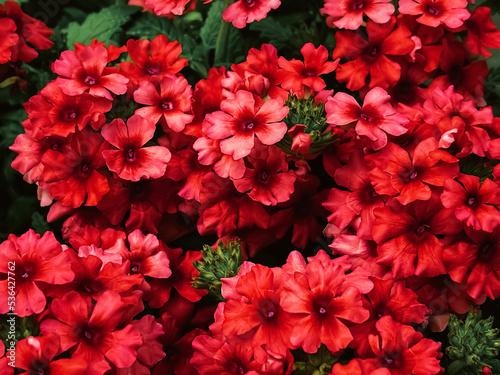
131, 161
85, 70
263, 180
407, 238
297, 75
411, 174
73, 175
256, 316
476, 264
240, 121
55, 113
376, 118
482, 32
401, 350
34, 354
167, 7
38, 261
370, 57
29, 30
245, 11
469, 198
451, 13
8, 38
168, 100
324, 301
158, 57
93, 330
348, 14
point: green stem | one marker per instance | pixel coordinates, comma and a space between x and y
222, 43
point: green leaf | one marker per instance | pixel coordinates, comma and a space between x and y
210, 29
277, 33
101, 26
39, 223
11, 127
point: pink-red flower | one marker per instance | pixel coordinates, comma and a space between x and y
245, 11
8, 38
296, 75
241, 120
473, 202
37, 261
451, 13
375, 119
132, 161
168, 100
85, 70
348, 14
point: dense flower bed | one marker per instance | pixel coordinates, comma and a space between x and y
368, 163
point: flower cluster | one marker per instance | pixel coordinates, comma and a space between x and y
17, 29
269, 312
400, 164
90, 302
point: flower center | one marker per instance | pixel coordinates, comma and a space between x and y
70, 115
264, 176
130, 155
358, 5
90, 81
373, 51
388, 361
167, 106
250, 3
486, 251
322, 310
151, 69
420, 230
55, 147
433, 11
365, 117
413, 175
135, 268
309, 72
88, 335
25, 275
270, 314
249, 125
471, 201
85, 168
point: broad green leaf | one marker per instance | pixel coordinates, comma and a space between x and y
11, 126
39, 223
101, 26
277, 33
210, 29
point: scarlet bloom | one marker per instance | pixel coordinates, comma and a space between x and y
325, 301
399, 350
376, 118
73, 175
93, 330
158, 57
371, 57
245, 11
482, 32
8, 38
131, 161
407, 237
297, 75
264, 181
168, 100
241, 120
348, 14
55, 113
34, 354
410, 175
476, 263
167, 7
28, 30
85, 70
254, 313
433, 13
473, 202
38, 261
